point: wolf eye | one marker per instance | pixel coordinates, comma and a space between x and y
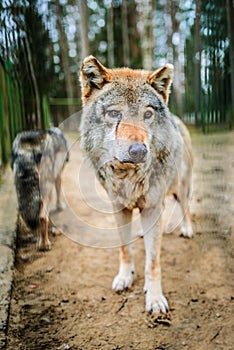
148, 114
114, 114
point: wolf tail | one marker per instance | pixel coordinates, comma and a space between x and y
28, 190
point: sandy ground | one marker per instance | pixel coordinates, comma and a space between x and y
62, 299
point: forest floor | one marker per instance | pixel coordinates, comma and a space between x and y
62, 299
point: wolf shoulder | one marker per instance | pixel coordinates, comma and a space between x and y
184, 133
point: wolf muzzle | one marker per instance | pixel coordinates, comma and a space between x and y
137, 152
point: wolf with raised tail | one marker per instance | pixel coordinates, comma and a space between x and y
141, 154
37, 160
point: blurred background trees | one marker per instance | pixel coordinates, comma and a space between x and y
43, 42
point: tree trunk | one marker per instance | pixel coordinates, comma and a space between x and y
110, 36
65, 57
125, 35
230, 14
147, 37
39, 123
198, 66
134, 36
85, 51
177, 52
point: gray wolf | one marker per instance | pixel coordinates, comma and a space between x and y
37, 160
141, 153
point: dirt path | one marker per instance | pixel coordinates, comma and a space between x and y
63, 299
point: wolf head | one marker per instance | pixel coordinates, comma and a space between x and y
123, 109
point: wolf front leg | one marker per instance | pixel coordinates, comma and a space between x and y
58, 182
124, 279
152, 228
43, 242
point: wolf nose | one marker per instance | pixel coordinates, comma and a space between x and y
137, 152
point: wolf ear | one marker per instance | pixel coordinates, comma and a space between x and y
93, 76
161, 80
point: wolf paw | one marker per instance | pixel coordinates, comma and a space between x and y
61, 206
122, 282
155, 303
186, 231
43, 246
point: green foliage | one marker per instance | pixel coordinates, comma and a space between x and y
12, 118
205, 98
215, 71
39, 42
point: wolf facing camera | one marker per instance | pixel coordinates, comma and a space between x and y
141, 154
